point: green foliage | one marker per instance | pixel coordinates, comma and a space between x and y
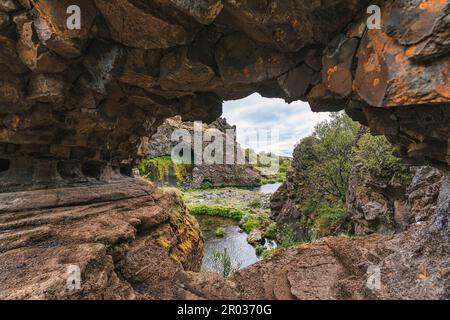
253, 221
329, 216
323, 217
284, 165
205, 185
329, 161
268, 253
255, 203
271, 231
216, 210
259, 250
159, 168
222, 260
220, 232
375, 153
286, 236
323, 166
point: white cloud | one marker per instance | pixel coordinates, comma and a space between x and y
293, 121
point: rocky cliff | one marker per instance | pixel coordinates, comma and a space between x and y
381, 195
76, 103
128, 240
216, 174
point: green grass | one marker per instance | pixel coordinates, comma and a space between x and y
253, 221
216, 210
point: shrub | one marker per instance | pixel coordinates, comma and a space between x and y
205, 185
254, 220
267, 253
250, 222
255, 203
216, 210
220, 232
159, 168
328, 218
287, 237
375, 153
271, 231
259, 250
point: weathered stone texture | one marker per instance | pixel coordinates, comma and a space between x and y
134, 63
76, 107
128, 239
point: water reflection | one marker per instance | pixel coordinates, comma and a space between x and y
269, 188
241, 253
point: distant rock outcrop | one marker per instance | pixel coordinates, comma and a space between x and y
162, 144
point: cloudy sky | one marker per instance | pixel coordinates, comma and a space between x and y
292, 122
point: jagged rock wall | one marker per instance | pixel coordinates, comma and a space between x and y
376, 205
76, 104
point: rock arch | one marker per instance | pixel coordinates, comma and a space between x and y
92, 94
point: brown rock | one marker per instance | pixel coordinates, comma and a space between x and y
240, 60
130, 237
4, 20
9, 57
51, 26
135, 28
179, 73
204, 11
32, 53
337, 67
46, 88
9, 5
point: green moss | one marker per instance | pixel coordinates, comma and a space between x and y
259, 250
205, 185
268, 253
158, 169
215, 210
254, 221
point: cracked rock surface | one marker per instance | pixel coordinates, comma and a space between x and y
77, 108
81, 102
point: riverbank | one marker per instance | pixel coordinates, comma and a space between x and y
236, 221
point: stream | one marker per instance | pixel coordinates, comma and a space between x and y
269, 188
241, 253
